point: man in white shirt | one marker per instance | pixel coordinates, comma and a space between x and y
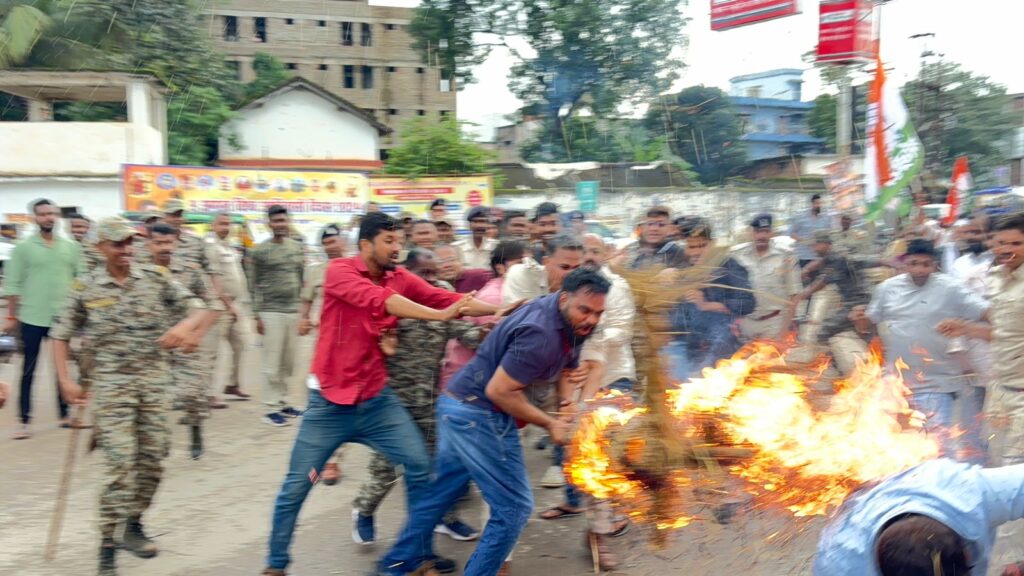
530, 279
912, 305
476, 250
775, 278
225, 259
972, 268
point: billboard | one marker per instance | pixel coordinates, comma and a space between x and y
726, 14
397, 194
313, 198
845, 31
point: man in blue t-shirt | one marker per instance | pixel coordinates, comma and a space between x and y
476, 418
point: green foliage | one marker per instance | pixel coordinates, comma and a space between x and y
958, 113
822, 119
702, 127
589, 139
439, 146
21, 25
270, 73
455, 22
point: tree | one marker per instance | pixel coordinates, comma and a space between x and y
703, 128
167, 40
439, 146
958, 113
589, 54
21, 25
270, 73
590, 139
822, 119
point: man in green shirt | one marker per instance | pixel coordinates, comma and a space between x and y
275, 284
38, 277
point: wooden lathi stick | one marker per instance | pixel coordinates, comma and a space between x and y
65, 483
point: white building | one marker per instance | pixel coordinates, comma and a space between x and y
300, 125
77, 164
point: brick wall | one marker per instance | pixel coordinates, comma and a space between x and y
308, 38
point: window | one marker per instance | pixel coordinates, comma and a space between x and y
366, 34
392, 69
231, 28
419, 70
350, 76
367, 77
390, 27
289, 21
384, 154
443, 113
346, 33
754, 92
261, 30
323, 67
322, 23
392, 112
421, 112
446, 85
291, 66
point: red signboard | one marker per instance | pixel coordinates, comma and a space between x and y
726, 14
845, 31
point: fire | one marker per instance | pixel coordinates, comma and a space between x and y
790, 454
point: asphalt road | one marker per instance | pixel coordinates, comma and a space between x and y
212, 517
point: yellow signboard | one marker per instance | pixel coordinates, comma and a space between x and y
396, 194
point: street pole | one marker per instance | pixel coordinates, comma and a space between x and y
844, 118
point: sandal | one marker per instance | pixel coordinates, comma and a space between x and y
558, 512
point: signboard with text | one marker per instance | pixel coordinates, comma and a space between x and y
845, 31
313, 198
587, 194
396, 194
726, 14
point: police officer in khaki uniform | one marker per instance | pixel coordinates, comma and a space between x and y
126, 308
775, 278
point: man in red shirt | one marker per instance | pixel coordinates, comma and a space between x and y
348, 398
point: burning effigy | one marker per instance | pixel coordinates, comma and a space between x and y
746, 431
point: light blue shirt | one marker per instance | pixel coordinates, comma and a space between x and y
804, 228
971, 500
911, 313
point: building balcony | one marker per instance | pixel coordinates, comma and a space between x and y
76, 148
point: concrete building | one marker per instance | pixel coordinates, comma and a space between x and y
774, 116
359, 52
77, 164
301, 125
508, 139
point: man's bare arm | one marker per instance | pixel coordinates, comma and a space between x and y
507, 394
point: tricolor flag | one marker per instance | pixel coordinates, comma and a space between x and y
894, 155
959, 191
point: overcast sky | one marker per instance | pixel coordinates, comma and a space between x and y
985, 36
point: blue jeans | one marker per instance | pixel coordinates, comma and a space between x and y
380, 423
482, 446
573, 498
938, 408
973, 444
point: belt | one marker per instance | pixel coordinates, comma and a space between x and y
768, 315
472, 400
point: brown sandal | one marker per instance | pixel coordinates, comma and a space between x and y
558, 512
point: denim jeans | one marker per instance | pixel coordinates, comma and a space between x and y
573, 497
482, 446
973, 443
380, 423
938, 409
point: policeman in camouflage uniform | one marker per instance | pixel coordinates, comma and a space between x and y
126, 308
333, 241
413, 372
191, 373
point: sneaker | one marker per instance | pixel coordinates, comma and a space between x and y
22, 432
457, 530
362, 529
235, 393
291, 412
273, 572
443, 565
553, 477
275, 419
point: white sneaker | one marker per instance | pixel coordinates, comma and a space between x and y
553, 477
22, 432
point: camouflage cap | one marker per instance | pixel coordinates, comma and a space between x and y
824, 236
173, 205
114, 229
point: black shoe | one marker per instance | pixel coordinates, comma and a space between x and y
197, 442
136, 541
443, 565
108, 549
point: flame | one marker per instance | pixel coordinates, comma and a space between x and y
795, 456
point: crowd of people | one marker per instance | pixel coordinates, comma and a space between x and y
435, 352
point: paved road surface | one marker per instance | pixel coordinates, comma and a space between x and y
211, 518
